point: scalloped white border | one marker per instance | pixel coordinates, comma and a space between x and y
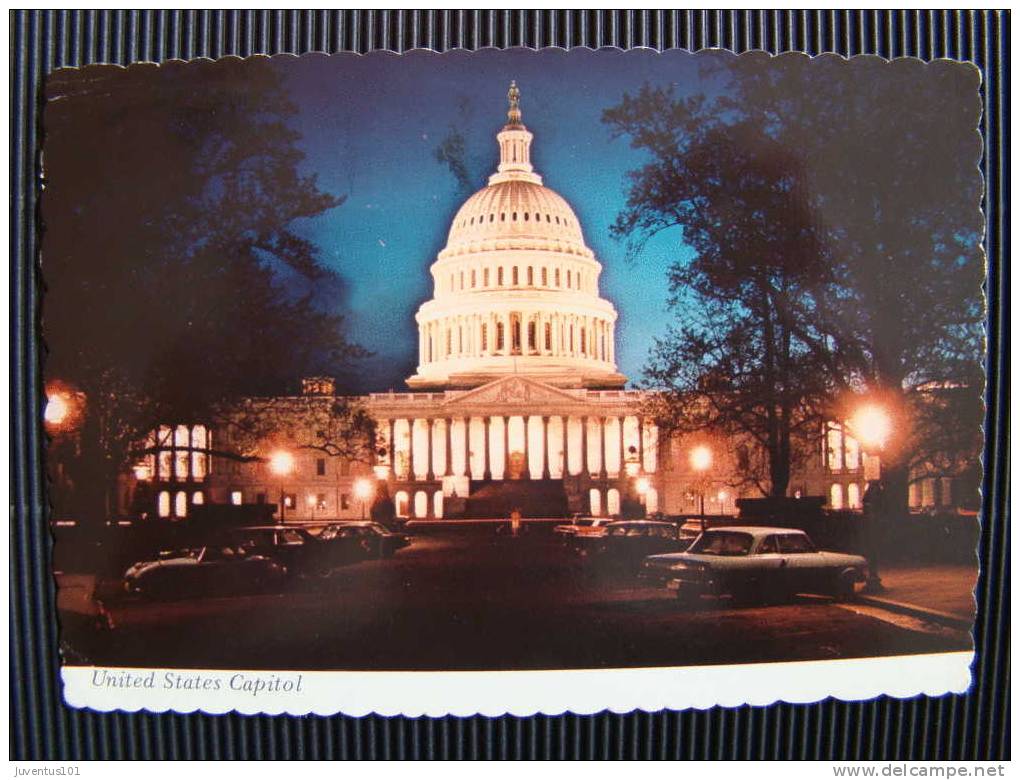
526, 693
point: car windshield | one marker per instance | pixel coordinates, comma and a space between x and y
722, 543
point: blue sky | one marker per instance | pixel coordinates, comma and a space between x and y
370, 126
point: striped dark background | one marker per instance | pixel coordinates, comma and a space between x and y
974, 726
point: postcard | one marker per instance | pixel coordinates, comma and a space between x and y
512, 381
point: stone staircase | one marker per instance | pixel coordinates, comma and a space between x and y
532, 497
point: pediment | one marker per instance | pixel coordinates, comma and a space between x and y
514, 391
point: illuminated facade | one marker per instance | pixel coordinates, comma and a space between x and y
516, 402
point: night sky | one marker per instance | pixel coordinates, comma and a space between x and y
370, 127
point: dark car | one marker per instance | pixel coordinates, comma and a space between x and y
374, 539
302, 553
204, 570
623, 544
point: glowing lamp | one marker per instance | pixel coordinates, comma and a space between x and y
311, 501
57, 409
871, 426
642, 485
701, 458
362, 489
281, 463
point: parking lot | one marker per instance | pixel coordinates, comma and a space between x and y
479, 600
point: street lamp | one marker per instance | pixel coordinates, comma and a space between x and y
701, 462
281, 463
57, 409
363, 491
872, 426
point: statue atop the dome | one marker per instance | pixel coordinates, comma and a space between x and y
514, 96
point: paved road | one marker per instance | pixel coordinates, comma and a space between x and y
486, 602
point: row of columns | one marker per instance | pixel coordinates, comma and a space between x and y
489, 278
484, 335
550, 445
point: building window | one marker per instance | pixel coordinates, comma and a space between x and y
473, 278
485, 277
834, 445
532, 339
236, 498
499, 335
320, 501
531, 276
548, 336
545, 277
449, 341
462, 280
584, 347
163, 504
485, 336
400, 503
515, 333
557, 277
290, 500
181, 504
514, 275
180, 453
499, 276
320, 467
345, 500
345, 467
197, 498
853, 496
836, 496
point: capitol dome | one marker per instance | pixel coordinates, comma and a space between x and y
516, 287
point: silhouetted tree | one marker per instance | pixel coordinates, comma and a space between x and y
882, 163
174, 281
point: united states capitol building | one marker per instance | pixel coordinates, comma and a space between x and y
516, 402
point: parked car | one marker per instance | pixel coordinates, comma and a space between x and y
580, 525
204, 570
301, 552
374, 539
749, 562
624, 543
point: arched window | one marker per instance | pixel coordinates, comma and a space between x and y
532, 339
651, 501
400, 503
531, 276
527, 216
181, 504
548, 218
197, 498
612, 502
502, 216
853, 496
500, 335
163, 504
485, 336
538, 217
421, 504
548, 336
514, 276
485, 277
515, 216
499, 276
545, 277
595, 502
437, 504
492, 217
557, 277
836, 496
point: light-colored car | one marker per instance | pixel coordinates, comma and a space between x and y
580, 525
749, 562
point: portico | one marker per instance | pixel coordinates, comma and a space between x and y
515, 429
